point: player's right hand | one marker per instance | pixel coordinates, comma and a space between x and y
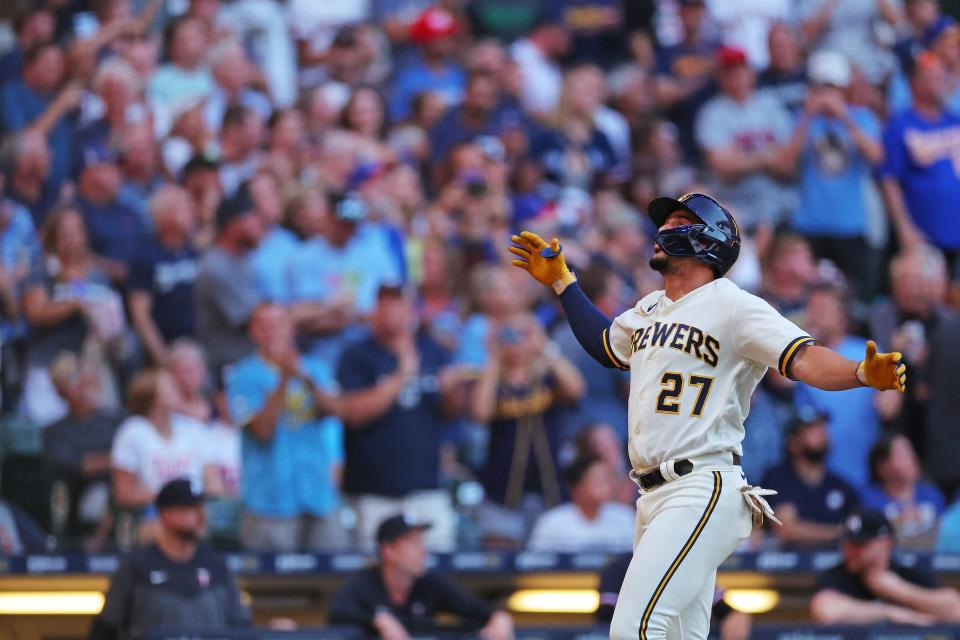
882, 370
550, 269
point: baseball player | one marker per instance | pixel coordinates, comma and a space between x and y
696, 351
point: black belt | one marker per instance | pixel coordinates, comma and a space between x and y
653, 479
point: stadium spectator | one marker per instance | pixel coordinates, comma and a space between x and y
399, 393
916, 322
521, 395
287, 148
192, 380
789, 273
120, 90
233, 75
185, 78
942, 38
479, 113
918, 171
156, 444
742, 134
69, 306
837, 146
19, 253
400, 596
433, 68
854, 416
27, 178
785, 76
912, 505
40, 101
684, 79
850, 28
78, 448
162, 275
869, 586
341, 272
537, 55
292, 443
271, 258
112, 226
605, 442
726, 622
32, 25
176, 580
225, 289
239, 142
200, 176
812, 501
574, 152
139, 170
591, 520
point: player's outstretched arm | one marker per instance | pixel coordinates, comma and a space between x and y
545, 262
825, 369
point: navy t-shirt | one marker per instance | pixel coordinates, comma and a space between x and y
113, 229
850, 584
168, 275
550, 148
688, 61
524, 444
829, 502
399, 452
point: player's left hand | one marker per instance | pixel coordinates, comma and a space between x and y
882, 370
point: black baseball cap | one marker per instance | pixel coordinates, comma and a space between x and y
234, 207
178, 493
803, 416
397, 526
866, 525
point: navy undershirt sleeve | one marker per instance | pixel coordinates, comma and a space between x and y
588, 323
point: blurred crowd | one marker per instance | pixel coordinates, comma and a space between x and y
261, 245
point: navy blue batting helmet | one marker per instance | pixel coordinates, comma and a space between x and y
715, 240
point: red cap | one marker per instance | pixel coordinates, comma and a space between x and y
728, 56
431, 24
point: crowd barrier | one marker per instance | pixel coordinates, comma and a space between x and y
760, 632
466, 562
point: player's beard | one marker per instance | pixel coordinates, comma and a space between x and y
660, 262
188, 534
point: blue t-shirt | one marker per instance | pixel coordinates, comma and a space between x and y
113, 229
271, 263
948, 536
416, 77
853, 424
833, 177
399, 452
292, 473
924, 156
828, 502
168, 276
319, 271
19, 252
909, 519
19, 106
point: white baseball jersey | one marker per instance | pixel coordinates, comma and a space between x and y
694, 364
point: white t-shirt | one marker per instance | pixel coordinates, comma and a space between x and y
542, 78
140, 449
694, 364
223, 451
564, 529
746, 24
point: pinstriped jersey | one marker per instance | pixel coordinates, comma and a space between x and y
694, 364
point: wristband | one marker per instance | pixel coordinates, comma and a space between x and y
861, 375
565, 280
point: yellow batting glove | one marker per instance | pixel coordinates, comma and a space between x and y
541, 260
882, 370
